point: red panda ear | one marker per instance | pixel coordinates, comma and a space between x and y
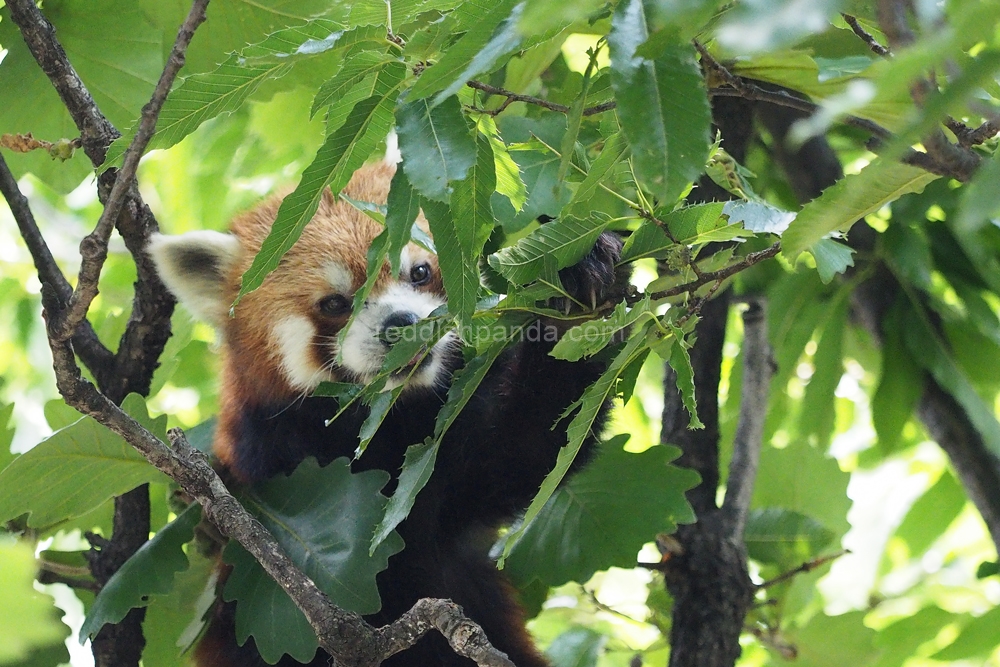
194, 266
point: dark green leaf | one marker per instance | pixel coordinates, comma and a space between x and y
483, 17
418, 464
566, 241
436, 144
577, 647
783, 537
150, 571
357, 67
899, 388
323, 518
603, 515
459, 274
591, 337
344, 151
180, 616
680, 361
816, 419
662, 105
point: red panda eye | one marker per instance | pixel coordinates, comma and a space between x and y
334, 305
420, 274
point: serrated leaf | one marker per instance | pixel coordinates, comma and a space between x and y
378, 409
29, 621
586, 409
343, 152
322, 518
483, 19
201, 97
832, 257
436, 144
566, 241
784, 537
662, 105
150, 571
603, 515
757, 217
680, 361
690, 225
614, 149
459, 273
86, 458
849, 200
357, 67
508, 174
591, 337
375, 258
401, 209
899, 388
418, 464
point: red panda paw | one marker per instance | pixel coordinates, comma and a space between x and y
597, 278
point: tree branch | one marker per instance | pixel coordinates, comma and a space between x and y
866, 37
96, 132
94, 248
758, 367
714, 276
93, 353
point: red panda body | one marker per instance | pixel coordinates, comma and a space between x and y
282, 342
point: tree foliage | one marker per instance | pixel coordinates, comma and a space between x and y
714, 137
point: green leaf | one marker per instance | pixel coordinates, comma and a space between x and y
900, 386
85, 457
180, 616
978, 638
343, 152
459, 270
835, 641
591, 337
201, 97
401, 209
543, 15
378, 410
602, 516
508, 174
29, 619
757, 216
925, 346
690, 225
849, 200
119, 60
577, 647
816, 418
901, 640
783, 537
565, 241
981, 198
831, 258
418, 464
436, 145
586, 410
931, 514
322, 517
614, 149
680, 361
150, 571
662, 105
484, 18
357, 67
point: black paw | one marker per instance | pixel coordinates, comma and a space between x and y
596, 278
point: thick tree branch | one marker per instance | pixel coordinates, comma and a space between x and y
96, 131
758, 367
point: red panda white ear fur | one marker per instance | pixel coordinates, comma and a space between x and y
194, 267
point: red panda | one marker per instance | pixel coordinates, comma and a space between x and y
281, 342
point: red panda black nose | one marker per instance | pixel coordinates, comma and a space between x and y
397, 319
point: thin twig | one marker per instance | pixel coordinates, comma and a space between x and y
866, 37
712, 276
93, 353
94, 248
537, 101
758, 367
808, 566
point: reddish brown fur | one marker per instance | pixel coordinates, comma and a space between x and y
250, 359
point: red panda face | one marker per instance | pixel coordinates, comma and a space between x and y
287, 337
